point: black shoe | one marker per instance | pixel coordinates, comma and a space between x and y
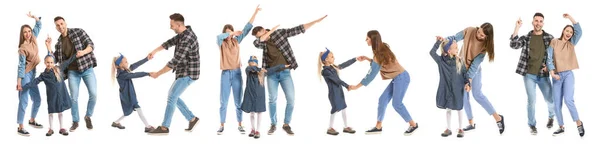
23, 132
470, 127
272, 129
533, 130
581, 130
374, 130
550, 123
559, 131
411, 129
461, 134
35, 124
501, 124
446, 133
117, 125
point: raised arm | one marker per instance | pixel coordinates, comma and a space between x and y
245, 32
347, 63
459, 36
38, 24
375, 67
334, 78
576, 29
307, 26
516, 41
266, 36
138, 64
433, 52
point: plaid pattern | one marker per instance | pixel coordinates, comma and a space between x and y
80, 40
186, 59
523, 42
280, 38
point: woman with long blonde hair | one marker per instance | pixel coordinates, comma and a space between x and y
122, 73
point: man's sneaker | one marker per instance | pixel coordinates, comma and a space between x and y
446, 133
411, 129
241, 129
581, 130
117, 125
559, 131
160, 130
332, 131
501, 124
272, 129
35, 125
63, 132
88, 122
192, 124
468, 128
220, 131
533, 130
374, 130
251, 133
74, 126
461, 134
349, 130
22, 132
256, 135
49, 133
288, 129
550, 123
148, 129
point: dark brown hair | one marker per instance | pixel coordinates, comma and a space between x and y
177, 17
538, 14
227, 26
562, 34
256, 30
381, 50
21, 36
59, 18
488, 43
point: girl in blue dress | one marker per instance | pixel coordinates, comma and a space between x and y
129, 102
329, 72
254, 94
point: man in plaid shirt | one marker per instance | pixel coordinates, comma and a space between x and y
277, 50
185, 64
532, 67
75, 41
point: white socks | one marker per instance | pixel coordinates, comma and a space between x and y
50, 117
332, 118
449, 117
60, 120
142, 117
258, 121
252, 120
255, 123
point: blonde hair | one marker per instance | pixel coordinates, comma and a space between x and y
261, 75
320, 68
458, 59
114, 69
56, 69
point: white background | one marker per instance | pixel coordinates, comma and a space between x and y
134, 28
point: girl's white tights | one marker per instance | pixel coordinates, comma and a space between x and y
255, 123
332, 119
60, 120
449, 117
140, 113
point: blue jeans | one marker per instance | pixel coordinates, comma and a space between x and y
544, 85
564, 88
24, 95
173, 100
89, 78
395, 90
287, 84
231, 80
479, 97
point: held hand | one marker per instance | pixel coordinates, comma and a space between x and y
154, 75
80, 54
555, 76
151, 55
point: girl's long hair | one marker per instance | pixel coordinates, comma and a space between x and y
458, 59
320, 68
114, 69
56, 70
381, 50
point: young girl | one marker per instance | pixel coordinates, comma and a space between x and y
453, 82
561, 63
329, 71
56, 91
254, 95
127, 94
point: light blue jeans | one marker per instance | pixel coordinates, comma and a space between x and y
395, 90
479, 97
24, 95
178, 87
231, 80
544, 84
89, 78
287, 84
564, 88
